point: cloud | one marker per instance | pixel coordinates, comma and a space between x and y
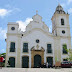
2, 33
4, 12
2, 51
23, 24
70, 10
69, 1
9, 10
16, 9
8, 6
50, 28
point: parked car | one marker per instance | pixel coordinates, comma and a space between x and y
71, 63
65, 64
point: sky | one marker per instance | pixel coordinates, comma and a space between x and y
22, 11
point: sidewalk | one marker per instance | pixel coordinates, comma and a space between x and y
35, 70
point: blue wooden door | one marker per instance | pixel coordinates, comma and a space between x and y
37, 60
25, 62
50, 60
12, 61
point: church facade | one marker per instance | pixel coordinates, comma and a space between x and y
37, 45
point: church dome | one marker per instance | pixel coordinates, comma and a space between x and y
59, 10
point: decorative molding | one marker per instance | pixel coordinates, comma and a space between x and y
42, 49
33, 48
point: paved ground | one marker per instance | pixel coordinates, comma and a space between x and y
35, 70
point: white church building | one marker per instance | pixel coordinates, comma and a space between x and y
37, 45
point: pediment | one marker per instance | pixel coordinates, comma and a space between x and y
38, 30
37, 23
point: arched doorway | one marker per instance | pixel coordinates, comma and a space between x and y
25, 62
37, 60
50, 60
12, 61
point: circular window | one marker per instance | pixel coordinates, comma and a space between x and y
37, 41
63, 32
13, 28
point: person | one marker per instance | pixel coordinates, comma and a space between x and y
47, 64
44, 65
1, 61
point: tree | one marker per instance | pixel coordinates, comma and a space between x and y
69, 51
4, 54
69, 55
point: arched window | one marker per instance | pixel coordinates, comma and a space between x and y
62, 21
65, 51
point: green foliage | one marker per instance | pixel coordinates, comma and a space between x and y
70, 55
69, 58
2, 54
65, 47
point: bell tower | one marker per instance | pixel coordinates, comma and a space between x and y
13, 27
60, 22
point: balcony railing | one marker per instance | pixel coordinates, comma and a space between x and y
12, 49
